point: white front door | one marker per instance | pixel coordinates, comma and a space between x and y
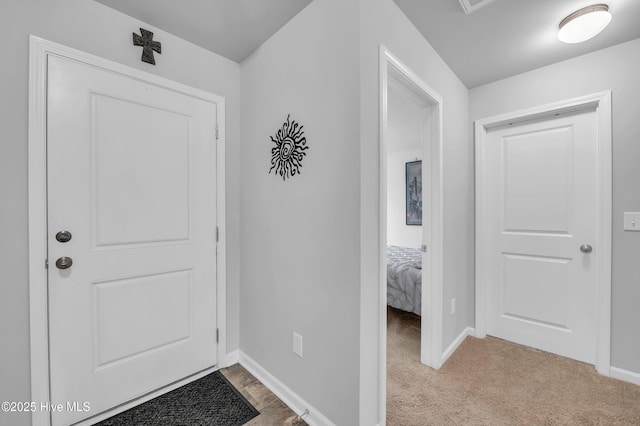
132, 179
542, 217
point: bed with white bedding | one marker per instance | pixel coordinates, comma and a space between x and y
404, 278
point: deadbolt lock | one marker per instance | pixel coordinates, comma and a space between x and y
63, 236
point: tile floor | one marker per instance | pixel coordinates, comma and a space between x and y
272, 410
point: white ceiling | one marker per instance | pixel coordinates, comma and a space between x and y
508, 37
231, 28
501, 39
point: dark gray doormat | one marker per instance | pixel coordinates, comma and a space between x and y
210, 401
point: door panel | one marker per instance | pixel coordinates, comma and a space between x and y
124, 305
535, 288
540, 204
143, 196
131, 174
542, 186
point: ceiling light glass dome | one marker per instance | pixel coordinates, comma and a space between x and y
584, 23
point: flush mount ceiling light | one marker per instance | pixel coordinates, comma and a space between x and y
584, 23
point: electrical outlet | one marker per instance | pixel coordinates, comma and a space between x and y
453, 306
297, 344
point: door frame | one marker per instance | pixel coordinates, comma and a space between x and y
39, 51
432, 297
601, 102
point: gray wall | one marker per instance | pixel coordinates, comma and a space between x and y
616, 69
308, 245
96, 29
300, 237
382, 22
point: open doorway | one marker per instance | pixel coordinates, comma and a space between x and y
410, 251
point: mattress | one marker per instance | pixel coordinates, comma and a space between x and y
404, 279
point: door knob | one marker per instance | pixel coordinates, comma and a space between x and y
64, 262
586, 248
63, 236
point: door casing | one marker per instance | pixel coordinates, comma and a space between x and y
431, 353
40, 50
602, 104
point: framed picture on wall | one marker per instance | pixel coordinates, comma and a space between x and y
413, 172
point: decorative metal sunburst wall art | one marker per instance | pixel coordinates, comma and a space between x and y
287, 155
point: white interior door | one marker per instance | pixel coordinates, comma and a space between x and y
132, 178
542, 207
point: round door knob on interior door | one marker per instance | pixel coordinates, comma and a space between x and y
63, 236
64, 262
586, 248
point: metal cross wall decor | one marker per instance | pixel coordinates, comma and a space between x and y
148, 45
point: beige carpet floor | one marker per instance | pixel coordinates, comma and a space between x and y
494, 382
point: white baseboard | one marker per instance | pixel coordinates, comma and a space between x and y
289, 397
469, 331
230, 359
627, 376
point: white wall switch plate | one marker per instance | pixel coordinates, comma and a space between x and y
453, 306
297, 344
632, 221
